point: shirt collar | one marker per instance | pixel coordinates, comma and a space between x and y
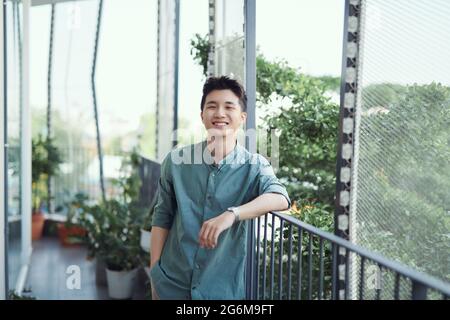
232, 158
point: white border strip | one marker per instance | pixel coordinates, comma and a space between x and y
2, 170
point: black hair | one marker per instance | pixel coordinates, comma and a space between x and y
225, 83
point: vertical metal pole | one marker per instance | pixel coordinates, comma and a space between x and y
334, 272
158, 81
346, 140
250, 281
289, 283
310, 261
175, 91
361, 279
94, 97
397, 287
265, 257
250, 67
3, 159
280, 262
320, 291
25, 117
419, 291
299, 265
49, 102
250, 88
212, 41
258, 256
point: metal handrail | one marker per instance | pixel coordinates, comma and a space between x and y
425, 279
421, 282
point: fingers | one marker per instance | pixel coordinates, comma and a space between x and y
204, 235
208, 235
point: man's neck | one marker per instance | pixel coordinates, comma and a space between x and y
220, 147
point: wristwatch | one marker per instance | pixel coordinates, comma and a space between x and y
235, 211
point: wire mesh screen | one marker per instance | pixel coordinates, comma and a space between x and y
401, 200
72, 111
229, 36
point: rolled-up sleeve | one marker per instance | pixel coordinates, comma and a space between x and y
268, 182
165, 207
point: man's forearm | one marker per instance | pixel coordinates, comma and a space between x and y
159, 236
263, 204
212, 228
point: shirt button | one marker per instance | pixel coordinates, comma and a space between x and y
197, 266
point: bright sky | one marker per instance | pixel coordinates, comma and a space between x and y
126, 69
307, 33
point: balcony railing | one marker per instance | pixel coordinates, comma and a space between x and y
294, 260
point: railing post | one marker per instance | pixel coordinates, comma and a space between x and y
250, 88
250, 281
419, 291
346, 134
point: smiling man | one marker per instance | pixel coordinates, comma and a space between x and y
200, 221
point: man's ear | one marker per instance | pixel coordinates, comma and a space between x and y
244, 116
201, 115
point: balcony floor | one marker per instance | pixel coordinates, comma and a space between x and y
47, 275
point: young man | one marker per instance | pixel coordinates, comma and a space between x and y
199, 234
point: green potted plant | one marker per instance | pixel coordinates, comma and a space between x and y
71, 232
113, 228
146, 230
46, 159
95, 221
120, 248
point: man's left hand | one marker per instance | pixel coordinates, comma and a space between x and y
211, 229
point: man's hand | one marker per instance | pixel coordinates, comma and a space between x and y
211, 229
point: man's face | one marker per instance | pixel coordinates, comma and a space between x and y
222, 114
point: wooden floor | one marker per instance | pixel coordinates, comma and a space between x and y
47, 276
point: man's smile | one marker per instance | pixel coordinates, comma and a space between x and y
220, 123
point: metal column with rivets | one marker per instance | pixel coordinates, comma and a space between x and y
211, 24
346, 143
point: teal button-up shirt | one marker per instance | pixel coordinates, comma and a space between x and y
192, 190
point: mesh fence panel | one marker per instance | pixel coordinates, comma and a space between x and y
73, 122
229, 35
402, 170
166, 76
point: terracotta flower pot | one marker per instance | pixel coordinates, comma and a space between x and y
64, 234
37, 225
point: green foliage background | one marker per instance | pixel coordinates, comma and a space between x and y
411, 122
